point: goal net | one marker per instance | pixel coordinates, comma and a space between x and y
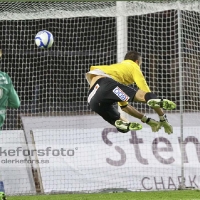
70, 148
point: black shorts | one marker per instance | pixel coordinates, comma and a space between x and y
104, 94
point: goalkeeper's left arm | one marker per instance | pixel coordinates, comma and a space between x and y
142, 84
155, 125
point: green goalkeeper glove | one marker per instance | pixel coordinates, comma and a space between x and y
164, 123
2, 196
155, 125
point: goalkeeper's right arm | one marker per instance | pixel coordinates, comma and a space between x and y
165, 124
163, 121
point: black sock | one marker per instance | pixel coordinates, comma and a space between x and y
150, 95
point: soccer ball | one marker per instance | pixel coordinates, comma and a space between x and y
44, 39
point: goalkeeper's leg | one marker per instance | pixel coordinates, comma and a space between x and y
124, 126
121, 123
161, 103
110, 114
152, 100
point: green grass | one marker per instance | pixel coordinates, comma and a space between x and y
164, 195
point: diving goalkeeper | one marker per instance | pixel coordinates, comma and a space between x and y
8, 98
109, 84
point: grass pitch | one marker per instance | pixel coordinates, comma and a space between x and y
164, 195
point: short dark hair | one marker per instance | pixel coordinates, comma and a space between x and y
132, 55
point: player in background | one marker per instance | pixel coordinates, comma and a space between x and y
109, 84
8, 98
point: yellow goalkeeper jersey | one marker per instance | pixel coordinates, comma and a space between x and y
127, 72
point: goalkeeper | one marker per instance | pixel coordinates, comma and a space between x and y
109, 84
8, 98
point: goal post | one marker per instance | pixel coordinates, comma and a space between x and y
76, 150
182, 184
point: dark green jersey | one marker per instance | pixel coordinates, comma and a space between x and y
8, 96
